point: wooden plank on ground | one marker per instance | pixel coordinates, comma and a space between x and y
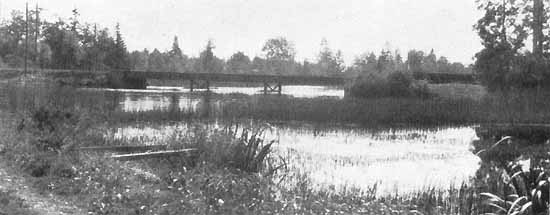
125, 149
159, 154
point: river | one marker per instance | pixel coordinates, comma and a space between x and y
397, 161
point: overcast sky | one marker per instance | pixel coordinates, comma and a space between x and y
353, 26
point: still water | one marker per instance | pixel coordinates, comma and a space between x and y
397, 161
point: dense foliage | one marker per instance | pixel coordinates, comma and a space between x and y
504, 63
388, 75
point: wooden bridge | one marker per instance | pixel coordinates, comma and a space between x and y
271, 83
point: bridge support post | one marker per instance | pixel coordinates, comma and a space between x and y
271, 89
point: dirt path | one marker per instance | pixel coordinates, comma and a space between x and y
47, 205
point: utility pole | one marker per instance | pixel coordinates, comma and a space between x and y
95, 49
36, 33
26, 34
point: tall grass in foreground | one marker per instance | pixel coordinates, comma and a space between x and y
13, 205
222, 181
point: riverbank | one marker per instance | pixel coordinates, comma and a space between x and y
102, 185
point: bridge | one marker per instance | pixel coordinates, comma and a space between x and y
271, 83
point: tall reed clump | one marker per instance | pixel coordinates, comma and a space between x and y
245, 149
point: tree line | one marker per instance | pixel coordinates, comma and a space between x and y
73, 44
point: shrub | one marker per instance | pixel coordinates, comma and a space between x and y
395, 84
244, 149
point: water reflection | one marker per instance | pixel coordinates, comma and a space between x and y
296, 91
345, 157
400, 161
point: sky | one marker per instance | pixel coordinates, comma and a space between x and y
352, 26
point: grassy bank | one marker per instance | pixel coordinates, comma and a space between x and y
219, 181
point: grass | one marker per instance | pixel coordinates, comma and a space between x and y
13, 205
457, 90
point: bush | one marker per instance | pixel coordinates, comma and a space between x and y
244, 149
395, 84
500, 69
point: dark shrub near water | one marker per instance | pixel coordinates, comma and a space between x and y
124, 80
395, 84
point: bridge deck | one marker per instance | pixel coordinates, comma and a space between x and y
249, 78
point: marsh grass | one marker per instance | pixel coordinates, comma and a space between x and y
13, 205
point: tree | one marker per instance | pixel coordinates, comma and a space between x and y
415, 60
501, 24
238, 63
139, 60
398, 61
119, 53
176, 58
176, 51
502, 34
429, 64
443, 65
156, 61
330, 63
206, 60
365, 63
64, 45
280, 55
385, 61
258, 64
74, 21
12, 36
279, 49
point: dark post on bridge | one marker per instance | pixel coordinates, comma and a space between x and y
197, 84
277, 88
